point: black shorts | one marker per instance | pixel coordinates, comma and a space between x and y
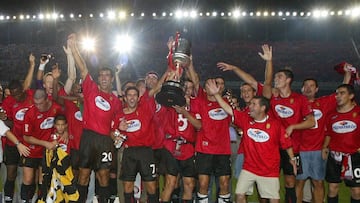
138, 160
74, 156
186, 168
96, 151
333, 173
213, 164
114, 164
11, 155
160, 161
286, 165
31, 162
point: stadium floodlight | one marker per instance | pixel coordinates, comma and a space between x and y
243, 13
21, 17
332, 13
34, 17
251, 13
340, 13
236, 13
142, 14
171, 14
123, 44
287, 13
302, 13
222, 14
48, 16
61, 16
317, 13
324, 13
163, 14
71, 15
54, 16
265, 14
214, 14
280, 13
132, 14
229, 14
207, 14
88, 44
258, 13
355, 12
309, 14
2, 17
154, 14
41, 16
178, 14
347, 12
273, 13
193, 14
101, 15
122, 15
91, 15
111, 15
80, 15
14, 17
186, 14
7, 17
294, 13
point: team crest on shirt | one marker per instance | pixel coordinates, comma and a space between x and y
291, 100
268, 126
284, 111
133, 125
21, 114
217, 114
354, 114
344, 126
258, 135
47, 123
78, 116
102, 104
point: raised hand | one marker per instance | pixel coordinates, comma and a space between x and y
224, 66
32, 59
212, 87
267, 52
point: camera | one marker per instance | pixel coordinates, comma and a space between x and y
44, 57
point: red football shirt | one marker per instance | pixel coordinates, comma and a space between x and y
291, 110
40, 125
74, 120
312, 139
99, 107
261, 142
344, 130
214, 136
179, 128
17, 112
140, 131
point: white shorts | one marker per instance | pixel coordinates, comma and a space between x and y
268, 187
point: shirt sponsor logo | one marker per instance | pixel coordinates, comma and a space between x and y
344, 126
133, 125
317, 114
47, 123
21, 114
258, 135
102, 104
78, 116
217, 114
284, 111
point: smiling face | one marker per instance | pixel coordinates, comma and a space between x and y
309, 89
132, 98
247, 93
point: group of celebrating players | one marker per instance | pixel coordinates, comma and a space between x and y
305, 136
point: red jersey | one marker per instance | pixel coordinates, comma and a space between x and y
99, 107
159, 123
40, 125
16, 113
291, 110
74, 120
262, 141
344, 130
214, 136
140, 131
312, 139
180, 137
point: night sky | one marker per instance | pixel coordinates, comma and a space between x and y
18, 6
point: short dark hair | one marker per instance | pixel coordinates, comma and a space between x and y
106, 69
349, 88
15, 84
263, 101
245, 83
60, 117
288, 73
132, 88
40, 94
312, 79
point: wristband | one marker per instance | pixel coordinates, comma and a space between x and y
293, 159
42, 67
17, 143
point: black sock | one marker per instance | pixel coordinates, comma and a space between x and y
175, 195
83, 191
27, 192
333, 199
96, 187
129, 197
355, 200
153, 198
290, 195
104, 194
9, 190
157, 194
113, 186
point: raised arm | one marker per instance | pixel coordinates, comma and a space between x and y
193, 76
269, 70
239, 72
40, 72
214, 90
80, 63
71, 70
117, 79
56, 75
30, 73
309, 122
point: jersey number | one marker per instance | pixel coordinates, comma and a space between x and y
106, 157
